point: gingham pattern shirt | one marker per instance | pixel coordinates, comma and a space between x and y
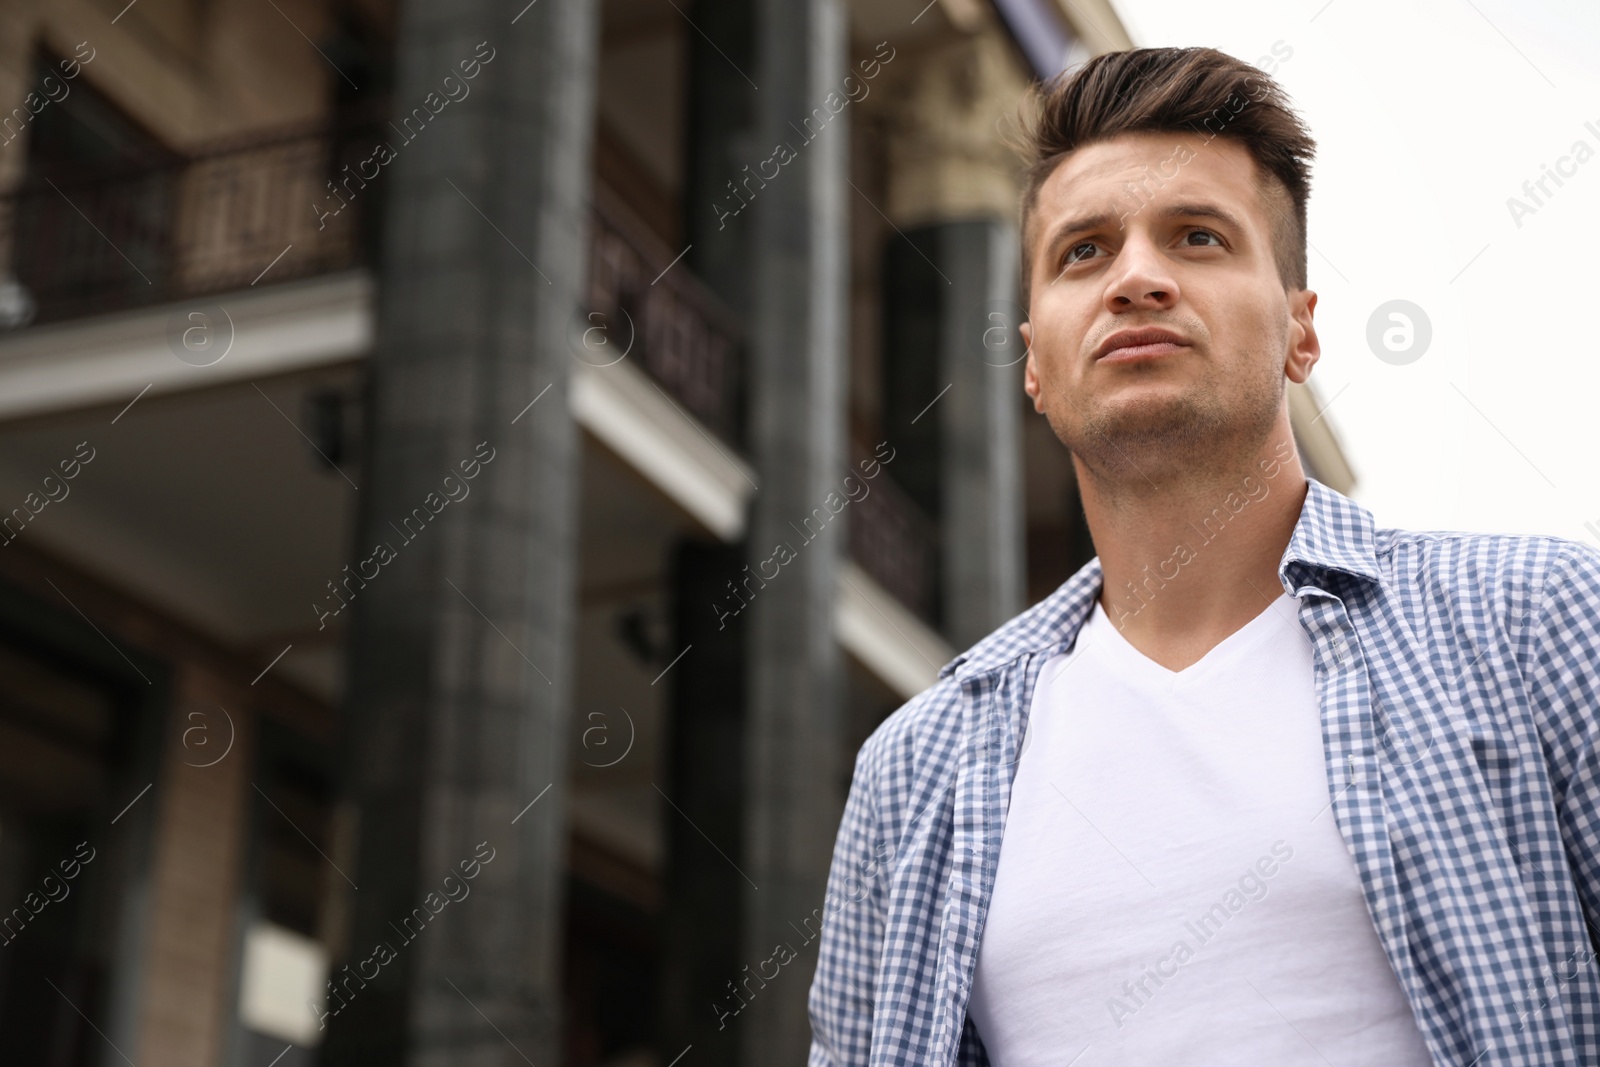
1458, 677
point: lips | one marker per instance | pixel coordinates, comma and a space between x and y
1134, 344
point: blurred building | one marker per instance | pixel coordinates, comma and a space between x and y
471, 478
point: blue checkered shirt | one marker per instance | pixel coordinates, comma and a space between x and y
1458, 677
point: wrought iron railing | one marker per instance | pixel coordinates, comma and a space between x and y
263, 210
680, 333
896, 543
211, 222
287, 206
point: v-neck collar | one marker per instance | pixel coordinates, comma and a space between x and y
1333, 534
1112, 643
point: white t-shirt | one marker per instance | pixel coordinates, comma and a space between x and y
1172, 886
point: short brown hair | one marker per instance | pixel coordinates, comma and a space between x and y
1183, 90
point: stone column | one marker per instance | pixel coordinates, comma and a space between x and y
700, 932
721, 143
460, 657
950, 293
979, 429
799, 272
952, 190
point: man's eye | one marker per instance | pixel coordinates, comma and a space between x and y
1073, 256
1205, 233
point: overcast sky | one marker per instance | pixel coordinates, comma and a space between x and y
1429, 115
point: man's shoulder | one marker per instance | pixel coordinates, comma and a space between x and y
1530, 594
1470, 565
916, 734
928, 726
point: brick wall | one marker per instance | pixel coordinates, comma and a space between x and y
187, 986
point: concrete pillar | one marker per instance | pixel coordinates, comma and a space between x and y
950, 291
794, 794
952, 190
980, 446
700, 932
461, 649
721, 143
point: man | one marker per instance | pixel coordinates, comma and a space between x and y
1261, 783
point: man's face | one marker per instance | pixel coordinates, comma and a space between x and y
1185, 246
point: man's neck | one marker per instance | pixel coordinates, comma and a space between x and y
1189, 557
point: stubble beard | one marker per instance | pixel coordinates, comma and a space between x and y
1151, 441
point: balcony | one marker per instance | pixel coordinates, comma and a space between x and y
679, 333
256, 212
896, 543
222, 219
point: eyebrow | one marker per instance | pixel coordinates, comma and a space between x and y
1101, 219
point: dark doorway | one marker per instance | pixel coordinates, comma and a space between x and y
73, 738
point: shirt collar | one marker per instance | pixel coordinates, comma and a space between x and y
1333, 534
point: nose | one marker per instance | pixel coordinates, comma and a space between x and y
1140, 279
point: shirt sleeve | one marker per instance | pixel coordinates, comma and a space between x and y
852, 932
1565, 682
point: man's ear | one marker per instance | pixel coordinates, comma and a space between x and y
1030, 370
1304, 347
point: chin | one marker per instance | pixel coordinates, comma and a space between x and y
1148, 424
